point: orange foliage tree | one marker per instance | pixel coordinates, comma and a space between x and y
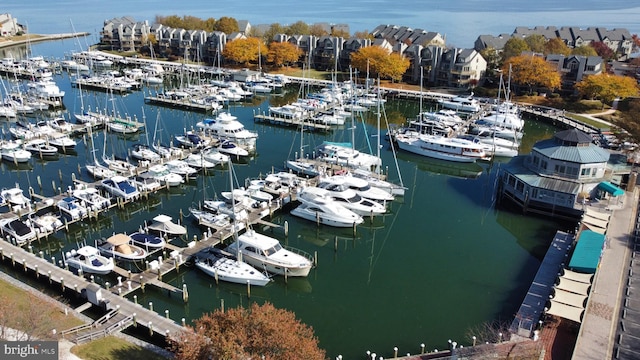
283, 53
380, 62
532, 71
607, 87
259, 332
244, 51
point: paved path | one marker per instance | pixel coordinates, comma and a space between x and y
597, 333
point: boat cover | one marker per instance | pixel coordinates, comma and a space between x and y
576, 276
119, 239
565, 311
573, 286
569, 298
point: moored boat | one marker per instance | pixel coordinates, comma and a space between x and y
224, 266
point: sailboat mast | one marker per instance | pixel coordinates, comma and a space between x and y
378, 126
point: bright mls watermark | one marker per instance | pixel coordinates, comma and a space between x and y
32, 350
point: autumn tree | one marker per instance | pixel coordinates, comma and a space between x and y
340, 33
532, 71
244, 51
584, 50
514, 47
556, 46
536, 42
317, 30
363, 35
607, 87
283, 53
380, 62
603, 50
227, 25
259, 332
186, 22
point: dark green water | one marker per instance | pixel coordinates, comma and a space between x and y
442, 261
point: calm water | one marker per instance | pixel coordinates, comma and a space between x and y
461, 21
443, 260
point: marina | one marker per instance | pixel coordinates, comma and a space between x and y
366, 255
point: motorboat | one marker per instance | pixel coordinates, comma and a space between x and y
256, 193
87, 259
343, 195
236, 211
120, 166
441, 147
344, 154
227, 127
192, 140
374, 180
264, 252
232, 149
147, 241
62, 142
41, 148
319, 207
288, 111
71, 208
181, 168
461, 103
164, 175
13, 152
163, 224
145, 183
15, 199
360, 186
143, 152
92, 198
120, 186
21, 231
224, 266
217, 220
100, 171
121, 247
45, 89
46, 223
214, 155
198, 161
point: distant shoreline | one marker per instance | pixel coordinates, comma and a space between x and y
40, 38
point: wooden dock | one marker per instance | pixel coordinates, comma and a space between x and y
307, 122
184, 103
535, 301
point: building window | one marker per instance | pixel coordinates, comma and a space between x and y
543, 164
586, 172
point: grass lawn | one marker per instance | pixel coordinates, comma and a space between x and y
32, 314
114, 348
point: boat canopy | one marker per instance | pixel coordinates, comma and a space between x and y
119, 239
610, 188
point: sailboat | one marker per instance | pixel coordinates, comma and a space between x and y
300, 165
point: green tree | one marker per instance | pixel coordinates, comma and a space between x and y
556, 46
584, 50
297, 28
244, 51
607, 87
492, 57
514, 47
283, 53
532, 71
227, 25
259, 332
536, 42
380, 62
274, 29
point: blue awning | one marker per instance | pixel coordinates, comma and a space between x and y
610, 188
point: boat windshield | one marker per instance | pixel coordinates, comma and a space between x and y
355, 199
272, 250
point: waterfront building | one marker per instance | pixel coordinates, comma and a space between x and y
9, 25
573, 68
559, 177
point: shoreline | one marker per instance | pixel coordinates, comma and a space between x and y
41, 38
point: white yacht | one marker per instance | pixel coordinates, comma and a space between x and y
360, 186
318, 206
226, 267
15, 199
441, 147
264, 252
148, 241
343, 195
181, 168
88, 260
227, 127
45, 89
164, 175
91, 197
143, 152
344, 154
232, 149
214, 155
461, 103
13, 152
21, 231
